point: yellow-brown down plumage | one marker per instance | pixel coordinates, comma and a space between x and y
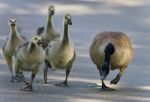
61, 54
11, 43
50, 32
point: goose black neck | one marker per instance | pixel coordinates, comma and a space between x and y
107, 58
65, 37
109, 50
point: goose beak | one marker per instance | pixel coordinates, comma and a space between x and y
104, 71
103, 75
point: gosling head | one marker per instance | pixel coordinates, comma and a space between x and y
37, 41
12, 22
67, 19
51, 10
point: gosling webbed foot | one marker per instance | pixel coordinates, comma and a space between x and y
28, 87
63, 84
12, 79
116, 80
17, 79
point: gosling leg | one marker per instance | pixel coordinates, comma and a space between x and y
28, 86
12, 76
45, 71
19, 77
65, 84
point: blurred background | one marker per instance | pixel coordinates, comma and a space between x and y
89, 17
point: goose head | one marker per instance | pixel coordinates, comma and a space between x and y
51, 10
37, 40
67, 19
12, 22
105, 68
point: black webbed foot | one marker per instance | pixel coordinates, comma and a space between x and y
28, 87
116, 80
105, 88
63, 84
17, 78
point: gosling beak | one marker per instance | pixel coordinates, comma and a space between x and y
13, 24
39, 43
69, 22
52, 13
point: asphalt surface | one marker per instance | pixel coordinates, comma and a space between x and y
89, 17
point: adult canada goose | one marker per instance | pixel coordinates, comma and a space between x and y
61, 54
50, 32
111, 50
11, 44
29, 57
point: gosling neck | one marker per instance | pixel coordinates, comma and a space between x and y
49, 23
65, 37
13, 31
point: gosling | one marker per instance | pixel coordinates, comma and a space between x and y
61, 54
11, 44
111, 50
50, 32
29, 57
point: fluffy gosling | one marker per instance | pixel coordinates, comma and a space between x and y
50, 32
29, 57
11, 44
61, 54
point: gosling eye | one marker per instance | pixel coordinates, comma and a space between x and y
66, 17
36, 39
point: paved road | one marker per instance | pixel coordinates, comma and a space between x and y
89, 18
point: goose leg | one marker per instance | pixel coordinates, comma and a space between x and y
104, 87
65, 84
117, 78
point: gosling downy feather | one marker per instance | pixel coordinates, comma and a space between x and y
11, 43
111, 50
29, 57
50, 32
61, 54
